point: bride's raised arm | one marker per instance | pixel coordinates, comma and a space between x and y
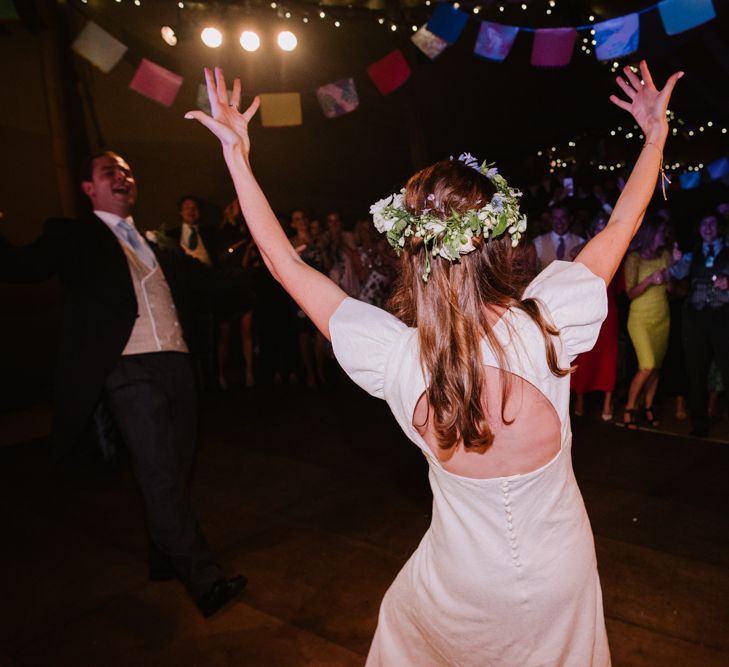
316, 294
603, 254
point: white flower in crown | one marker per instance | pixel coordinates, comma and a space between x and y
383, 223
467, 245
434, 226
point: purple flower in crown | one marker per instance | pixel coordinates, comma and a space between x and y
492, 172
469, 160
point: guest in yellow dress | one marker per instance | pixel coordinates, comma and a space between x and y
646, 283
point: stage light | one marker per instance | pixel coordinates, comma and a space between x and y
168, 35
287, 40
250, 41
211, 37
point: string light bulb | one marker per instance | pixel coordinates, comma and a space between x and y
287, 40
168, 35
250, 41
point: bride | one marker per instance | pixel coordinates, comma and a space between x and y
474, 365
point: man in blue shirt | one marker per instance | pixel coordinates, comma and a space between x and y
705, 315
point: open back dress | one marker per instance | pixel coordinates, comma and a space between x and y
506, 573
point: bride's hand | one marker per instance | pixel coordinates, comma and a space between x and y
647, 104
226, 122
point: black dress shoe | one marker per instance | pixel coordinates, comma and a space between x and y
219, 594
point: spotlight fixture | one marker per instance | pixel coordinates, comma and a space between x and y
287, 40
168, 35
211, 37
250, 41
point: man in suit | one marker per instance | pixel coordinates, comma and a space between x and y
127, 313
560, 242
705, 322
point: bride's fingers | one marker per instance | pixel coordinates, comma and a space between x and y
620, 103
222, 90
235, 97
202, 117
668, 88
212, 93
646, 74
632, 78
251, 110
626, 88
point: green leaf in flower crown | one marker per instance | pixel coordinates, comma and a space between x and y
501, 225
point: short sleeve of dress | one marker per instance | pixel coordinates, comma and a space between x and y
576, 301
363, 336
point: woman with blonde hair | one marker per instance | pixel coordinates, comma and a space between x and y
475, 367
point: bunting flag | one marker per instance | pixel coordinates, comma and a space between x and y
553, 47
617, 37
156, 82
447, 22
390, 72
203, 103
280, 109
681, 15
99, 47
690, 180
338, 98
719, 168
8, 11
495, 40
431, 45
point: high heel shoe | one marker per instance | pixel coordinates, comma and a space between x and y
629, 419
651, 418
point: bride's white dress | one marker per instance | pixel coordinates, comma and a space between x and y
506, 573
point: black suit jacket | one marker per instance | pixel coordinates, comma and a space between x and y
100, 308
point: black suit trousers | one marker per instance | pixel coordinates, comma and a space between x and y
705, 336
153, 400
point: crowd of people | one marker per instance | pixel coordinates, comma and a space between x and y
668, 306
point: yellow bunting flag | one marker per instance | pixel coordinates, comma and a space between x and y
280, 109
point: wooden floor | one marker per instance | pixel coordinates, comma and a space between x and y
319, 500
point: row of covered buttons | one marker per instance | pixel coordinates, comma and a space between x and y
510, 524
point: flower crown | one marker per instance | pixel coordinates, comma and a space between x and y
453, 236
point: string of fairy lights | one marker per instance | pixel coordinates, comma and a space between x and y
681, 129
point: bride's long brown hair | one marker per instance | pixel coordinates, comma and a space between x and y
450, 310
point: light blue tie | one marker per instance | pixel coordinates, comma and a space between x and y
132, 237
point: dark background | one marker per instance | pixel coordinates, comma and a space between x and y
501, 111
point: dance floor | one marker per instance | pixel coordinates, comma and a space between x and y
319, 500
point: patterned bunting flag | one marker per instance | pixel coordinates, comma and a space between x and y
431, 45
690, 180
99, 47
719, 168
156, 82
617, 37
390, 72
495, 40
280, 109
553, 47
447, 22
338, 98
681, 15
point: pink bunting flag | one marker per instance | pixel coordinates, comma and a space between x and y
430, 44
390, 72
553, 47
338, 98
99, 47
156, 82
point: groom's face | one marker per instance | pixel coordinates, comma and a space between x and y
112, 187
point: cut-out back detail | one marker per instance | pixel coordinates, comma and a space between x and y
529, 442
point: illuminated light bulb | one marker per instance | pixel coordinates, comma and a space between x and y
415, 28
701, 129
549, 11
168, 35
476, 10
723, 130
523, 6
691, 133
501, 8
181, 5
287, 40
456, 5
306, 19
591, 17
539, 153
337, 24
138, 2
322, 15
273, 5
211, 37
710, 124
118, 0
380, 20
552, 3
287, 15
250, 41
427, 3
594, 43
393, 27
